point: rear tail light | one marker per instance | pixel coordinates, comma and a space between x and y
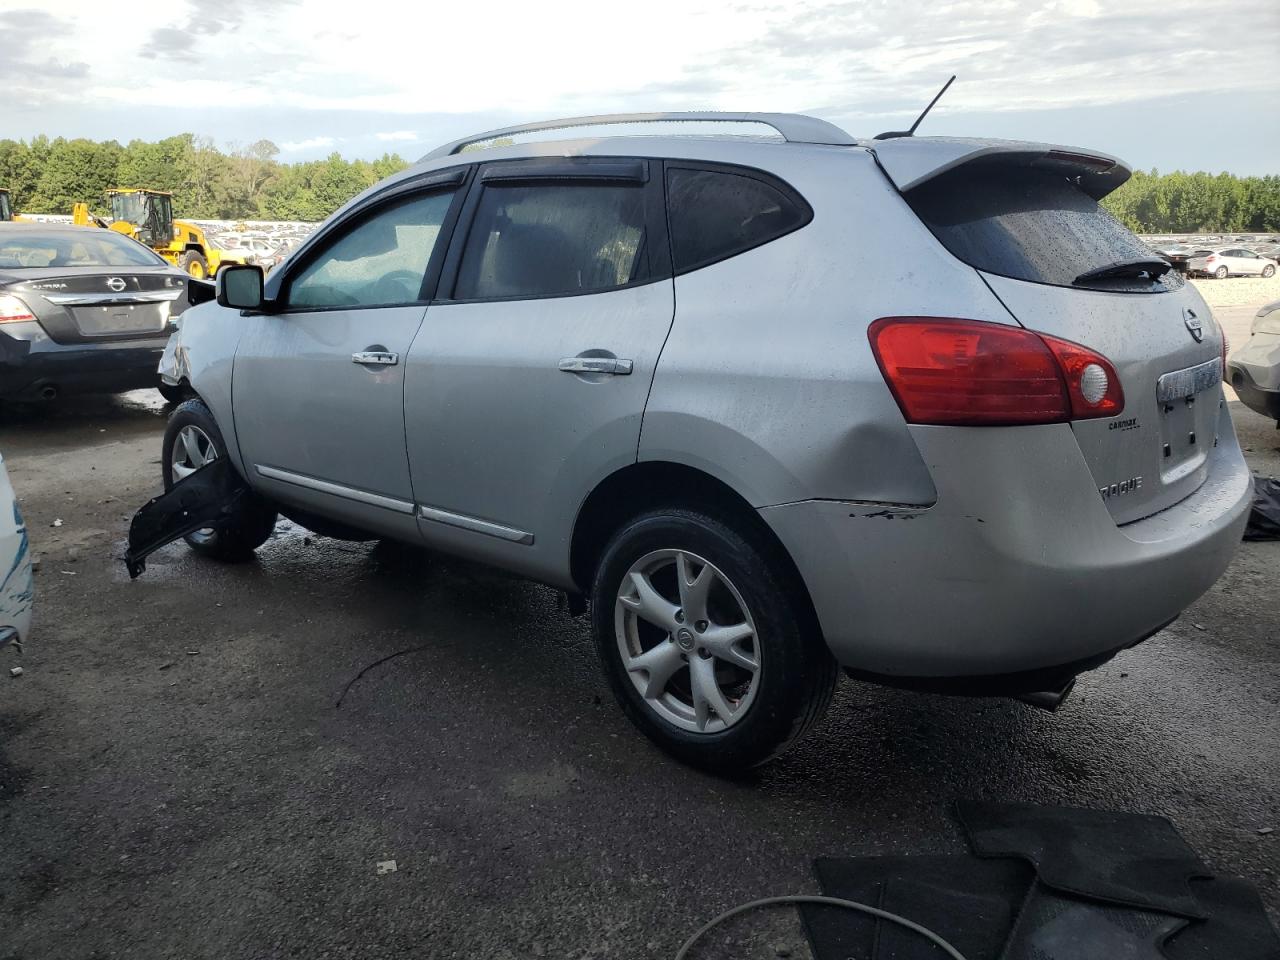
13, 310
971, 373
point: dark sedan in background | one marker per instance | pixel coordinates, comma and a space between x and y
82, 310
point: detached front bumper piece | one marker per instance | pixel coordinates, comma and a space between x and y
206, 498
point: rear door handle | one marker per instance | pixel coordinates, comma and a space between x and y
380, 358
611, 365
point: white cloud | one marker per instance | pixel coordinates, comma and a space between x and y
866, 64
314, 143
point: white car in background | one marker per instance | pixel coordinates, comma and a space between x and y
1224, 262
1253, 369
16, 586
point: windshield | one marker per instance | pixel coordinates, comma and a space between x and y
1030, 225
5, 212
86, 247
131, 207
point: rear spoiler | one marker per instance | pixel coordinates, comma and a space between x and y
912, 161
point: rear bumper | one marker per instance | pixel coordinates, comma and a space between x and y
1253, 370
31, 364
1018, 568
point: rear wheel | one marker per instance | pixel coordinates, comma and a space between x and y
1269, 270
194, 263
1221, 273
707, 647
191, 440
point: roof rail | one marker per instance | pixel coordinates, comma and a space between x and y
792, 127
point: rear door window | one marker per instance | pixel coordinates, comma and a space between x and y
547, 239
1029, 225
716, 214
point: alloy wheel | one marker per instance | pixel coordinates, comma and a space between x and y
192, 449
687, 641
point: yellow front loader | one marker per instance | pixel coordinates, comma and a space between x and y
147, 216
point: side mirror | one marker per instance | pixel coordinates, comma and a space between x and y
199, 291
240, 287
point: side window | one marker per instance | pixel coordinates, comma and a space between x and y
379, 262
714, 215
554, 239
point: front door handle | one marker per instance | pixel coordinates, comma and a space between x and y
611, 365
378, 358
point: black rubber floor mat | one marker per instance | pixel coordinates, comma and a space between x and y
1054, 926
1121, 858
968, 901
1045, 883
1238, 927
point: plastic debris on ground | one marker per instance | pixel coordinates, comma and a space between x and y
1264, 518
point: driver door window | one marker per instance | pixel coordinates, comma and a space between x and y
380, 262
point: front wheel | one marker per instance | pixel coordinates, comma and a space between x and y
1269, 271
1221, 273
707, 645
194, 263
191, 440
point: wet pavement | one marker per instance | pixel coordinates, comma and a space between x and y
176, 779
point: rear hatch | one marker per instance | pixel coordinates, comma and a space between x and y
1027, 218
91, 305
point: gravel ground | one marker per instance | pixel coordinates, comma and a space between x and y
177, 782
1239, 291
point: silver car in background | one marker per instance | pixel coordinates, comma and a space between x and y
1253, 368
1223, 262
16, 586
917, 408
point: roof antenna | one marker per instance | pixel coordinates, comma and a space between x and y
908, 133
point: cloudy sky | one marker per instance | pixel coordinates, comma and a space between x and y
1192, 84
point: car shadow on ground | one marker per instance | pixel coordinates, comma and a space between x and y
141, 408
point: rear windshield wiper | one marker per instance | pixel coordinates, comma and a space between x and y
1153, 268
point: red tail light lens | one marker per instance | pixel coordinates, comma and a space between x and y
12, 310
971, 373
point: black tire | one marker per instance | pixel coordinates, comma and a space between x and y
255, 518
1221, 273
173, 394
192, 262
797, 673
1269, 271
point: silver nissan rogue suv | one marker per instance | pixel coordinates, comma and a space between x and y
774, 404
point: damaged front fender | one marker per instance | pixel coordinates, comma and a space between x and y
207, 498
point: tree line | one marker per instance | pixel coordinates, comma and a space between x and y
1152, 202
243, 183
250, 183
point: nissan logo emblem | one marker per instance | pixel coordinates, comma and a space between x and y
116, 284
1194, 325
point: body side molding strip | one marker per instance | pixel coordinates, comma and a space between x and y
337, 489
471, 523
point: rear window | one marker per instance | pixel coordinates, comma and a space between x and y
85, 247
715, 214
1029, 225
